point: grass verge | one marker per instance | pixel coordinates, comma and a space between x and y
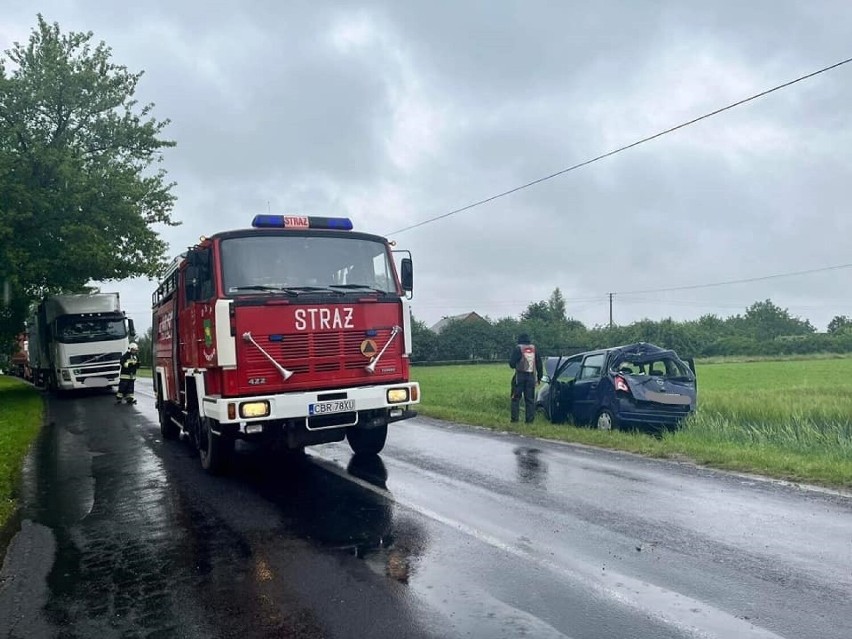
20, 421
787, 419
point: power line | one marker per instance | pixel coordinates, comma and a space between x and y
741, 281
623, 148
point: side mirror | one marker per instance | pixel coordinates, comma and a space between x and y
407, 274
131, 330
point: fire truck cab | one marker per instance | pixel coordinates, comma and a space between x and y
292, 333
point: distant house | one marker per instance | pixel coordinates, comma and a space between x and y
472, 316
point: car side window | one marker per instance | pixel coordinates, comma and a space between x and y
592, 366
570, 371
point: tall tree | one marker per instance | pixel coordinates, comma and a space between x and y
765, 321
424, 342
839, 324
556, 305
79, 190
536, 312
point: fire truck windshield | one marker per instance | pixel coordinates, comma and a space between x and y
299, 263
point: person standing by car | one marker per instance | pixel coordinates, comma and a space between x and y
526, 363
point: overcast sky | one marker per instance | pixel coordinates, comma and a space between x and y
394, 112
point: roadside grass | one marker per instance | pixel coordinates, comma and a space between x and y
789, 419
737, 359
20, 421
144, 372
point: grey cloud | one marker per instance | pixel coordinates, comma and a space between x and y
267, 109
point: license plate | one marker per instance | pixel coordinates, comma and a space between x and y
336, 406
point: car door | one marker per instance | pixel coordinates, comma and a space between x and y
560, 397
585, 391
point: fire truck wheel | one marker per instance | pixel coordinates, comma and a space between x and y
168, 429
367, 441
214, 449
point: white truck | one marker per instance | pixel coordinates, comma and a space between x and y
77, 340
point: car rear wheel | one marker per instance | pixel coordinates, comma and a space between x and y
606, 420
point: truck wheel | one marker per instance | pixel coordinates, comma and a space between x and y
367, 441
167, 427
214, 450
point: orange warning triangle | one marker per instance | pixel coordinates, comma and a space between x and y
368, 348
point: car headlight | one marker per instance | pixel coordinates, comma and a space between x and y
254, 409
397, 395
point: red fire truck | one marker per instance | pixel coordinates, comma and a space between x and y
292, 333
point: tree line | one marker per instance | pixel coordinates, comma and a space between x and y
763, 329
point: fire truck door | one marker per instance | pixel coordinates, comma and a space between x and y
185, 324
197, 321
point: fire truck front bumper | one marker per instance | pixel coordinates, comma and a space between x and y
333, 408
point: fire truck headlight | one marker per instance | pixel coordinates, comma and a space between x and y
66, 376
397, 395
254, 409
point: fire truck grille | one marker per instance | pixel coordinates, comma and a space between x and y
328, 352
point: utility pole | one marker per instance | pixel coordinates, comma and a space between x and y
610, 309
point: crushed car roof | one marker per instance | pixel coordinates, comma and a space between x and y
642, 349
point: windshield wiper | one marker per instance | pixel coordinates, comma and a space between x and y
363, 287
262, 287
313, 289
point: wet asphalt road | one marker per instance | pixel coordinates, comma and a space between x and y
452, 532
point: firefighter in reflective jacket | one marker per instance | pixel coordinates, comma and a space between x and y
528, 371
127, 378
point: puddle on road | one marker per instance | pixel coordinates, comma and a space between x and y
58, 487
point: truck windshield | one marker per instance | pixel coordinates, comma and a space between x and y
76, 330
268, 263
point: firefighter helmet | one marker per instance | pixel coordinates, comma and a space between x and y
133, 346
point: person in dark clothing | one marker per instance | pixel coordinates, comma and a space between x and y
526, 363
127, 377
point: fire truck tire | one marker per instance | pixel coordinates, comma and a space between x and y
214, 450
367, 441
168, 429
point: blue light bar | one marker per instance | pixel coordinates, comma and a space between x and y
301, 222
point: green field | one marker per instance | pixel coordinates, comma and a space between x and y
20, 422
786, 419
